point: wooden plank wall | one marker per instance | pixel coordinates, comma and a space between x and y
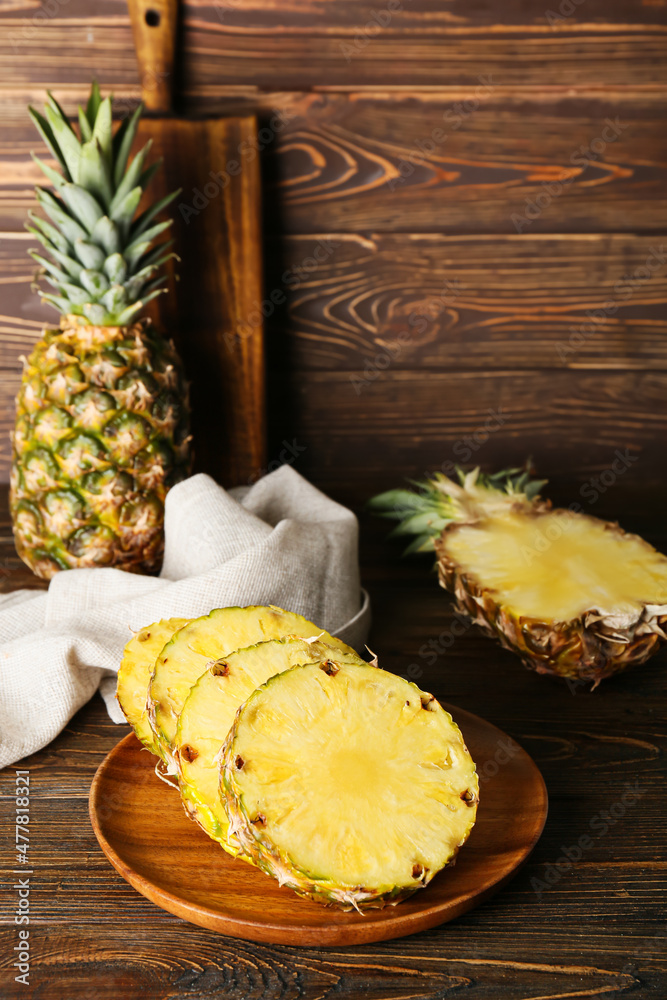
465, 217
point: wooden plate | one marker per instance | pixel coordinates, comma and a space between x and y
143, 830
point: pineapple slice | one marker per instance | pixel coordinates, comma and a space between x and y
135, 672
347, 783
208, 715
199, 644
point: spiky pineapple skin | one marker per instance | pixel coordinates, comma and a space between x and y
101, 434
584, 649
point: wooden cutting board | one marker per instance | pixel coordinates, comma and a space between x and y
213, 308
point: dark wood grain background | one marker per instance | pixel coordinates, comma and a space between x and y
465, 213
465, 259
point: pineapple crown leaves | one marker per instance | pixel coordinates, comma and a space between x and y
101, 263
439, 500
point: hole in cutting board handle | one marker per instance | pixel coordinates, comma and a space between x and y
152, 18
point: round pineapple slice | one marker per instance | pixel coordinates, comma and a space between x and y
347, 783
203, 641
135, 672
208, 715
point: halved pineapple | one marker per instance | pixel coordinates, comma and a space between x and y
347, 783
200, 643
208, 715
572, 595
135, 673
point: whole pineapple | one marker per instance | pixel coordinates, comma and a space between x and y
102, 417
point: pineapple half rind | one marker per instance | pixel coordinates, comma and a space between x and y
209, 712
347, 784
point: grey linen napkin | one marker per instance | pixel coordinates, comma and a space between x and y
280, 541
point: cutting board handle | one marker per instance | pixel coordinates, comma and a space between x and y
154, 24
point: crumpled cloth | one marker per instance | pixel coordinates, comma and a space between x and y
280, 541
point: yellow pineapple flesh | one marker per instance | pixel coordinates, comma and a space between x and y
209, 712
136, 670
202, 642
348, 784
557, 566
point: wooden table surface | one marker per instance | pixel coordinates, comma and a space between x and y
593, 928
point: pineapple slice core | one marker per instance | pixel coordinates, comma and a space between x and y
209, 712
354, 779
559, 565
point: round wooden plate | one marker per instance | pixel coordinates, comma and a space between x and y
146, 835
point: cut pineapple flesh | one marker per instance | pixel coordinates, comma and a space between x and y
135, 672
208, 715
557, 566
203, 641
348, 783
